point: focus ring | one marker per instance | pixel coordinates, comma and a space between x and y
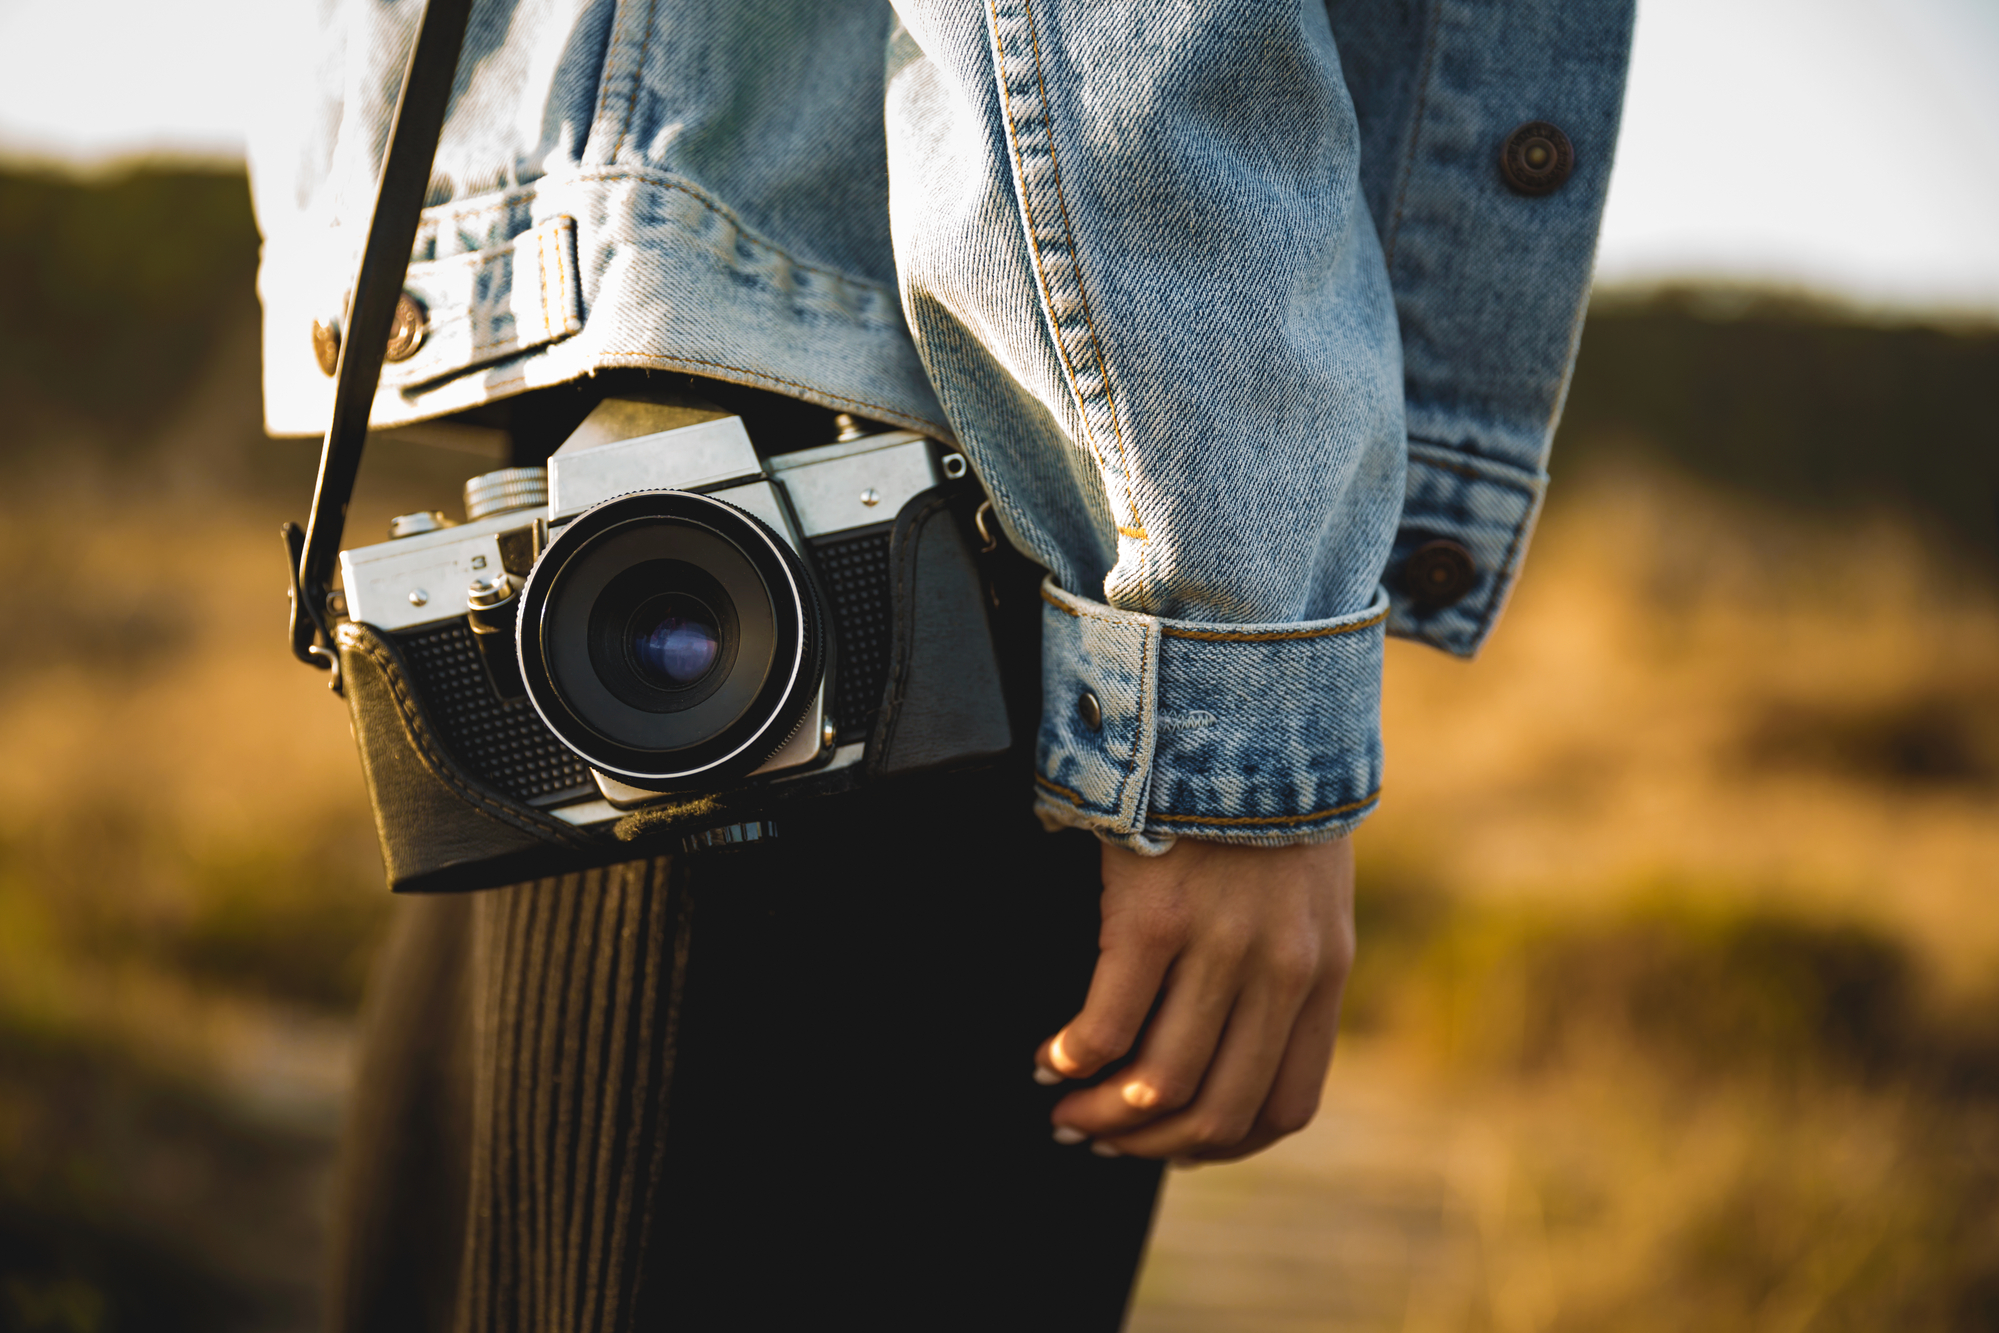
597, 573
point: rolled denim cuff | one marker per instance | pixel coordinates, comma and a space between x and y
1155, 729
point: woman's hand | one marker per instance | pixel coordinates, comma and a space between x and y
1225, 965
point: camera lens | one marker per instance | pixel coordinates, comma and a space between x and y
670, 639
626, 630
676, 649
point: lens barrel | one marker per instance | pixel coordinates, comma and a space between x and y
671, 639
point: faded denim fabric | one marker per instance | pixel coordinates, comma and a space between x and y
721, 162
1208, 731
1228, 304
1489, 285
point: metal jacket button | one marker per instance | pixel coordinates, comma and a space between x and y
406, 333
1438, 574
1536, 158
326, 345
1090, 711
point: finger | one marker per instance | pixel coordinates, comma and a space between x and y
1127, 980
1173, 1060
1301, 1077
1245, 1066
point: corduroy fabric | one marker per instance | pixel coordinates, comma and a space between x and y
580, 980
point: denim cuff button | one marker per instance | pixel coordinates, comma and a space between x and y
1536, 159
1090, 711
1438, 574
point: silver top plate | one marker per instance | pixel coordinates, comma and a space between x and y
691, 458
417, 580
423, 579
858, 483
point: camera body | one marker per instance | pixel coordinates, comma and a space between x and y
663, 630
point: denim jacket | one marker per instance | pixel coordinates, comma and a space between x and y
1247, 314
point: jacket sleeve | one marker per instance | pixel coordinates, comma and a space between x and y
1141, 262
1491, 274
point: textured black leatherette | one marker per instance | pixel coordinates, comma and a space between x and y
944, 707
441, 828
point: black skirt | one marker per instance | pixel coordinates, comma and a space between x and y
761, 1088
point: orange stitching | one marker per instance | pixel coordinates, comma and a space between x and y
1137, 534
1090, 615
478, 259
1034, 241
481, 344
1264, 636
1220, 820
1144, 662
1075, 256
555, 253
881, 411
1239, 820
541, 261
658, 180
423, 369
1226, 636
1059, 789
638, 74
611, 356
472, 259
1131, 769
607, 88
436, 215
572, 303
562, 242
661, 181
513, 198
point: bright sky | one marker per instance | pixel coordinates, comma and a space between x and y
1847, 145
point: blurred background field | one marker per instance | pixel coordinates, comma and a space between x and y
1676, 1002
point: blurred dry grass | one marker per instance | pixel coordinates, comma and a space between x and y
1675, 1003
189, 887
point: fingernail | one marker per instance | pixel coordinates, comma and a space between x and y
1046, 1077
1066, 1136
1141, 1095
1102, 1149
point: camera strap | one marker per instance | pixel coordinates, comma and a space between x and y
378, 284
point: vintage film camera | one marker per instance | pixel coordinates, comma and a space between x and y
661, 639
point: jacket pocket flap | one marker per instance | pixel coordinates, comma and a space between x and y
490, 304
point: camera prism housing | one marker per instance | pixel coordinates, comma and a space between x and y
679, 618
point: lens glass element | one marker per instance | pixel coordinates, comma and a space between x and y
666, 635
679, 647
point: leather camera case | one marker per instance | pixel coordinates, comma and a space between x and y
944, 708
